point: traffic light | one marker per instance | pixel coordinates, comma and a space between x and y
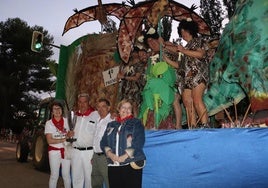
37, 41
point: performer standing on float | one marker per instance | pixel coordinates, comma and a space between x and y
159, 91
193, 73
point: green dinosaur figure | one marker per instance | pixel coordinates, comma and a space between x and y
158, 93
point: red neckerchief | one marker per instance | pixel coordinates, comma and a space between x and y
121, 120
58, 124
86, 113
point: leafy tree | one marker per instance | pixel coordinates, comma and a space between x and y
211, 11
109, 27
22, 72
230, 7
167, 27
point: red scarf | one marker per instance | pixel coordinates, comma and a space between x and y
122, 120
86, 113
58, 124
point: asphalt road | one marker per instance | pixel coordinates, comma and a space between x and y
19, 175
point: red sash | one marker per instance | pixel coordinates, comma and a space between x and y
50, 148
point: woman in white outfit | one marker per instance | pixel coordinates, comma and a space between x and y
55, 131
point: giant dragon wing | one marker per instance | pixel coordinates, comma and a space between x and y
93, 13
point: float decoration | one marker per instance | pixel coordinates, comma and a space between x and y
98, 12
152, 11
240, 67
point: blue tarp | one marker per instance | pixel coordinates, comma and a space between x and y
206, 158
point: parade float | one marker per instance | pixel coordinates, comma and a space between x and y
233, 157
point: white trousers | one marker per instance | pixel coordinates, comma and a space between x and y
81, 168
55, 161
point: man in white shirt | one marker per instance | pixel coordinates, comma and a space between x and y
99, 162
84, 132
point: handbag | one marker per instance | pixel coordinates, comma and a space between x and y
137, 165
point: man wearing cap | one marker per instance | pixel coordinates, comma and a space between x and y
83, 132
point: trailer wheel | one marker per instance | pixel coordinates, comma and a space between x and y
22, 151
40, 153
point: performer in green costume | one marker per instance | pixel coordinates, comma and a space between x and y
158, 93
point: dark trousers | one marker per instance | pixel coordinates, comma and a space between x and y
124, 177
99, 173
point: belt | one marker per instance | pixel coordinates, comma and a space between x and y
100, 153
85, 148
